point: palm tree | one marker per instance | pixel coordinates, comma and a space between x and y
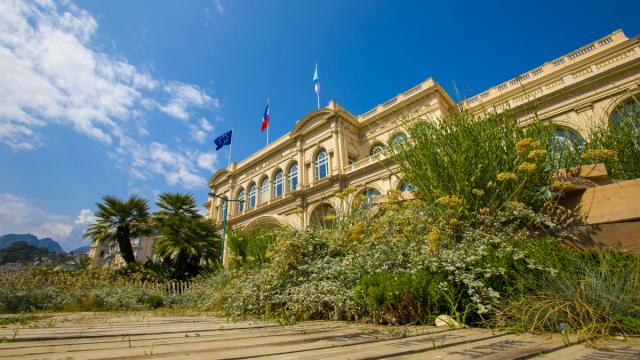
186, 237
120, 221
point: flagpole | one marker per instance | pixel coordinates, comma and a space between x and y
269, 121
230, 144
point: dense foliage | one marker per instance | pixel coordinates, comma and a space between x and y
622, 140
470, 163
186, 241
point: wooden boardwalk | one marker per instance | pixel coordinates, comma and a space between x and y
150, 335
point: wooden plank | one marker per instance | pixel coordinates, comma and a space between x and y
208, 348
384, 348
131, 343
615, 202
500, 348
629, 350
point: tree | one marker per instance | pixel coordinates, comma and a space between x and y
119, 221
186, 237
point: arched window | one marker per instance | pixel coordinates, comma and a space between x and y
371, 195
278, 184
293, 177
627, 112
240, 203
322, 165
398, 138
264, 190
322, 216
376, 148
407, 186
565, 141
252, 196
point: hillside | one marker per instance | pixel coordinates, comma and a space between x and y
24, 253
47, 243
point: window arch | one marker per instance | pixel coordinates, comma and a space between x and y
293, 177
322, 165
240, 202
252, 196
367, 198
278, 183
377, 147
371, 195
565, 141
264, 191
407, 186
398, 138
566, 137
626, 111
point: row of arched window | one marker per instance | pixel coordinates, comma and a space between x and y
275, 188
396, 139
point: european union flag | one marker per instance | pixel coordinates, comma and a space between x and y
222, 140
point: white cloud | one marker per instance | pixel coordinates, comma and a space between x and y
207, 161
199, 132
183, 97
17, 215
51, 73
86, 217
176, 167
218, 5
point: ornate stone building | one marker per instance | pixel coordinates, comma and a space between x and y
294, 180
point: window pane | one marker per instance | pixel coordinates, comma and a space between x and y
321, 165
240, 204
376, 149
407, 187
399, 138
277, 184
264, 191
252, 196
293, 177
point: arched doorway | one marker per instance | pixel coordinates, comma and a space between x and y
322, 215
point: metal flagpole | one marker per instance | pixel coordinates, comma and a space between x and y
317, 92
269, 112
230, 144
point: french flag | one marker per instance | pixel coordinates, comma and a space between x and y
265, 118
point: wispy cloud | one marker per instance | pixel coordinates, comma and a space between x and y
219, 7
53, 75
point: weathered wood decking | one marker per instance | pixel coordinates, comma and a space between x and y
149, 335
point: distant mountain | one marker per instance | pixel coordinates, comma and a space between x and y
30, 239
21, 252
81, 250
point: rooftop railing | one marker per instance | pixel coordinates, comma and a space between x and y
549, 67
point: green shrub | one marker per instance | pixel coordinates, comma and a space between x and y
154, 301
468, 163
406, 297
622, 137
321, 273
249, 248
86, 290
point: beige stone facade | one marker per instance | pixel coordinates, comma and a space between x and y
107, 254
583, 86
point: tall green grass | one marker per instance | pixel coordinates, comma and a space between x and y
481, 162
594, 293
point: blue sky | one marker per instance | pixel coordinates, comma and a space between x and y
121, 97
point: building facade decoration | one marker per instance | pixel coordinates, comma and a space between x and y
294, 180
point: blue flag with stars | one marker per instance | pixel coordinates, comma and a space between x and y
222, 140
